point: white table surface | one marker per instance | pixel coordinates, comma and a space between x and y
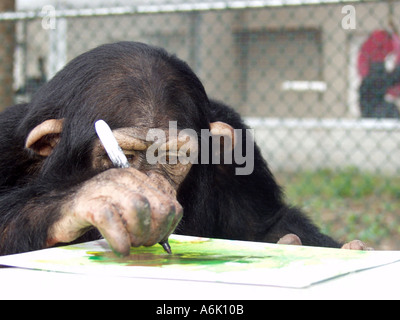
15, 283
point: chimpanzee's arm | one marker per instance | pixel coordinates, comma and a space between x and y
293, 221
25, 218
22, 227
127, 207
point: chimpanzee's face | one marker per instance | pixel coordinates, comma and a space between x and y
138, 93
165, 151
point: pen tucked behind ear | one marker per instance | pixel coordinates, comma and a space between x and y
117, 156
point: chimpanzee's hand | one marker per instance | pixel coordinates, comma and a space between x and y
128, 207
356, 245
293, 239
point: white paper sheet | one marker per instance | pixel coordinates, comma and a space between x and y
200, 259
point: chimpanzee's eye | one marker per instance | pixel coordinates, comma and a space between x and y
130, 155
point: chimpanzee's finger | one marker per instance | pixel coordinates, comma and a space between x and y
108, 221
166, 212
163, 206
174, 225
356, 245
290, 239
138, 221
133, 210
163, 219
177, 218
167, 189
120, 215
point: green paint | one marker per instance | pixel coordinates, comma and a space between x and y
210, 255
208, 260
197, 253
218, 256
185, 253
158, 260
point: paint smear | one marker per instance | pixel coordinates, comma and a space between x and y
200, 259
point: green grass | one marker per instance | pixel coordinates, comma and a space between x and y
349, 204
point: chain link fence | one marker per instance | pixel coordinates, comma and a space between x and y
310, 77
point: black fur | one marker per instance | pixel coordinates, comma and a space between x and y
132, 84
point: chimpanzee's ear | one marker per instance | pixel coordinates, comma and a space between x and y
223, 130
44, 137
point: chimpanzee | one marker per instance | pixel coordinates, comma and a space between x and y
57, 184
